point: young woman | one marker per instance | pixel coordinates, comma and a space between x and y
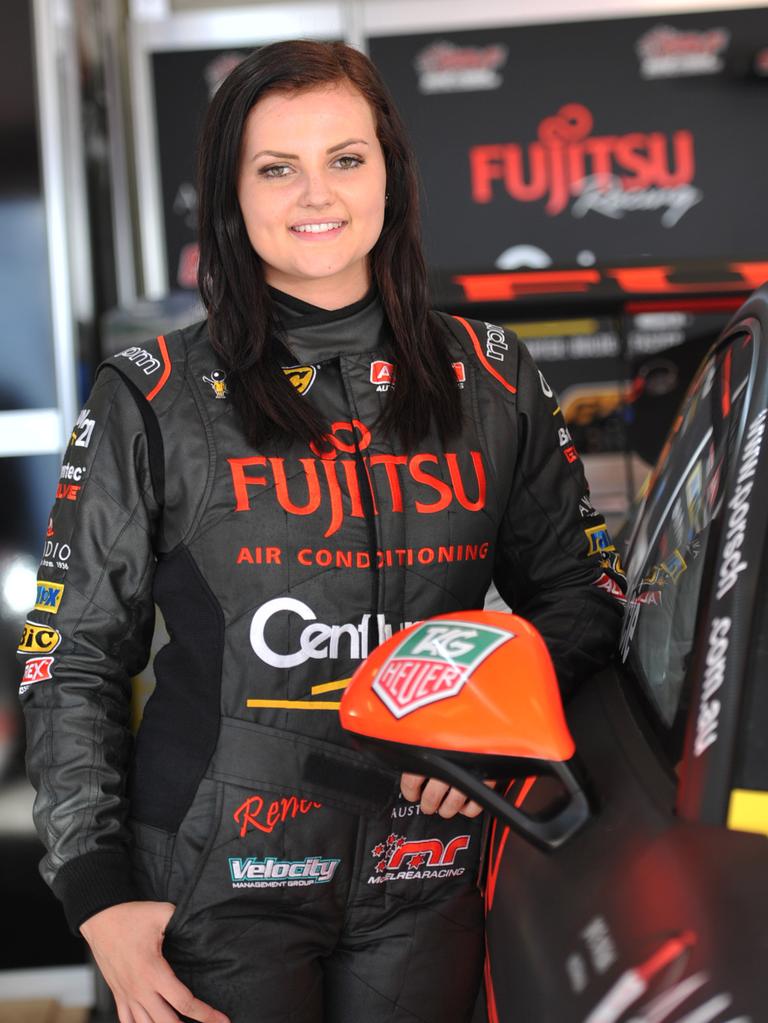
319, 463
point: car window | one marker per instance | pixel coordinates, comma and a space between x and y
668, 549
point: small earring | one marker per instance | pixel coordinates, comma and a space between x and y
386, 197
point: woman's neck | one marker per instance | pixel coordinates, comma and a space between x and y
327, 293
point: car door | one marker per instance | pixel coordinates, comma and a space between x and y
657, 910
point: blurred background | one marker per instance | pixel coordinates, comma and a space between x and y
593, 176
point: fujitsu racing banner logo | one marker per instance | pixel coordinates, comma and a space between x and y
399, 858
340, 486
607, 174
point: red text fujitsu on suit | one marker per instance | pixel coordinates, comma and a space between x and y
304, 884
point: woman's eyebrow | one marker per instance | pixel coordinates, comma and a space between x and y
294, 156
346, 142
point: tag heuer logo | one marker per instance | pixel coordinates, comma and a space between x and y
433, 663
302, 377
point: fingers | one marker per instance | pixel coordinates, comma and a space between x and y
410, 786
439, 797
124, 1014
182, 999
140, 1015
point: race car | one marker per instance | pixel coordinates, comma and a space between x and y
626, 875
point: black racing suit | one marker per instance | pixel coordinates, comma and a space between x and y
301, 890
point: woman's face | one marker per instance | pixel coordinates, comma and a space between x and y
311, 190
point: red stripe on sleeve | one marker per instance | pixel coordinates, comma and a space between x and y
481, 356
166, 370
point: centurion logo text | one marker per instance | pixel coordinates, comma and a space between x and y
251, 872
433, 663
317, 641
607, 174
328, 484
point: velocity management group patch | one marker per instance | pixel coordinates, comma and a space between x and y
433, 663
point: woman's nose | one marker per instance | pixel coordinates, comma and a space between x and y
317, 189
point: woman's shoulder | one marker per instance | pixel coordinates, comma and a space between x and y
160, 368
491, 350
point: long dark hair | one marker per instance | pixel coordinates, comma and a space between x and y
231, 278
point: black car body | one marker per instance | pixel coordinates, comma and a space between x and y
627, 882
657, 911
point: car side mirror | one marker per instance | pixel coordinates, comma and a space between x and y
468, 696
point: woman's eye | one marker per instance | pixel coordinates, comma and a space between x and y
347, 162
275, 170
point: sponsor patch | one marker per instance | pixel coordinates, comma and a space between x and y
316, 641
586, 509
330, 488
72, 472
37, 669
67, 491
82, 431
348, 557
612, 560
257, 814
49, 596
56, 554
141, 358
496, 346
610, 586
399, 858
218, 382
382, 374
251, 872
571, 454
38, 639
302, 377
599, 539
433, 663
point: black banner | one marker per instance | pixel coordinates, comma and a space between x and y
588, 142
184, 83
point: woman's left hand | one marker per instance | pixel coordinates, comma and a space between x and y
438, 796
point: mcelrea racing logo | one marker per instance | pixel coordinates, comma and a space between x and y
270, 872
433, 663
401, 859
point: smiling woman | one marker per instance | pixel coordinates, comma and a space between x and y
307, 184
313, 214
320, 462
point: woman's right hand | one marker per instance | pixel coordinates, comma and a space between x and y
127, 942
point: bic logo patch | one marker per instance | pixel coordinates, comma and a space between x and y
38, 639
433, 663
49, 596
599, 539
302, 377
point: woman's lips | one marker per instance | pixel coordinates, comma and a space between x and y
321, 228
